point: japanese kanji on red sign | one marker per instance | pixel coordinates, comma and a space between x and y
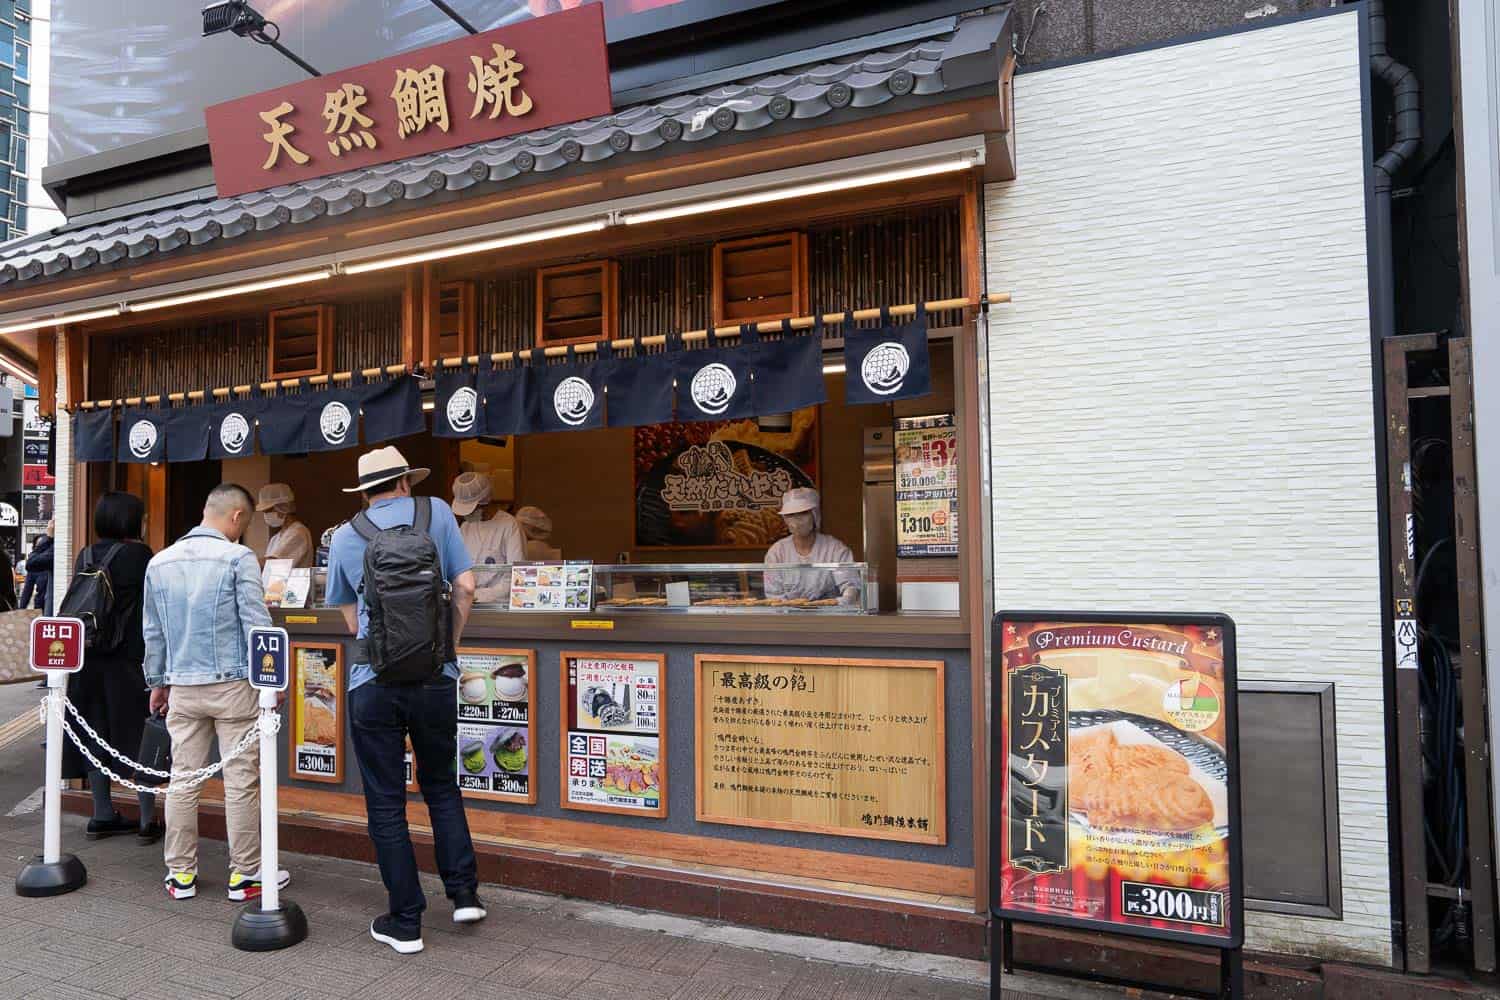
517, 78
57, 644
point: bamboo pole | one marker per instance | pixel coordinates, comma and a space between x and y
690, 337
770, 326
222, 391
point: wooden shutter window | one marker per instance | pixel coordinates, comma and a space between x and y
456, 319
301, 341
575, 303
761, 278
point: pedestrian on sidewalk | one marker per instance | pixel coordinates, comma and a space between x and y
37, 590
203, 595
110, 691
402, 577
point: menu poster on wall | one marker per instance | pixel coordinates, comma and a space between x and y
317, 712
718, 484
926, 487
614, 733
847, 747
1117, 807
496, 712
562, 586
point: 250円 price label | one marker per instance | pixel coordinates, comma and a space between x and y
1161, 902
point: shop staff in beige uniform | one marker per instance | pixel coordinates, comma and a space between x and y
496, 541
801, 510
538, 528
290, 539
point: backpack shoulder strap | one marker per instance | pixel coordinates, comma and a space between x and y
364, 527
422, 519
109, 556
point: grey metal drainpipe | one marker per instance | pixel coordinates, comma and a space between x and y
1406, 92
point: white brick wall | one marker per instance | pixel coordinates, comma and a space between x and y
1181, 394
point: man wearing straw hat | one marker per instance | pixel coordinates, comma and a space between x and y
384, 713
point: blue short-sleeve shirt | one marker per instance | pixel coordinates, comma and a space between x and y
346, 563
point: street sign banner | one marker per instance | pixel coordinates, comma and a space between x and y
57, 644
268, 658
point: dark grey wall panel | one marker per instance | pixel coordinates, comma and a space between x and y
681, 814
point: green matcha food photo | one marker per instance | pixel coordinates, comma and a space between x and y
509, 751
473, 756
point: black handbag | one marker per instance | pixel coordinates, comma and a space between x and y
156, 750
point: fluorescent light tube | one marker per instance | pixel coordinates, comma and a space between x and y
458, 250
82, 317
19, 372
836, 368
799, 191
228, 290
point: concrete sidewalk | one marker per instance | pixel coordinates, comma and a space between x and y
120, 936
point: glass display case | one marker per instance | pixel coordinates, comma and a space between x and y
837, 588
829, 588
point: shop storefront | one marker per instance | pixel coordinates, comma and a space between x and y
646, 333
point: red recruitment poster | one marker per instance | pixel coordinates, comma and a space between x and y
1116, 760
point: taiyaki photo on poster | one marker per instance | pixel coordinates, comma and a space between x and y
1118, 791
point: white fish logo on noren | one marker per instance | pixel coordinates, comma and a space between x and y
142, 438
713, 388
573, 400
462, 409
884, 369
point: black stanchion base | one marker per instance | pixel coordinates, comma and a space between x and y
37, 878
256, 929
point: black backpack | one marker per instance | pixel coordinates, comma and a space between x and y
410, 604
91, 599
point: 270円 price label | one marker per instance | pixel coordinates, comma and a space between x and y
1164, 902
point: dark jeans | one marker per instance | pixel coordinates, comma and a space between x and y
381, 718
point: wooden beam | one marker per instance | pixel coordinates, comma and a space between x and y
411, 315
431, 307
75, 349
971, 243
46, 372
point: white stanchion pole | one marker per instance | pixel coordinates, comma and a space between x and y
52, 795
276, 922
270, 862
56, 649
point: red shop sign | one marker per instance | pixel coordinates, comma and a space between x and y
518, 78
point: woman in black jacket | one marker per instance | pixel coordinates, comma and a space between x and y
110, 691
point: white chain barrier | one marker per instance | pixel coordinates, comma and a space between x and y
178, 780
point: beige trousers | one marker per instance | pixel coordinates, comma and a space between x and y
196, 714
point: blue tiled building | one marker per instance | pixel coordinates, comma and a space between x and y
15, 114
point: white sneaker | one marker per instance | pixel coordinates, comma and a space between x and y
243, 887
382, 930
468, 908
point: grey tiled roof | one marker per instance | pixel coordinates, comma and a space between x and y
923, 68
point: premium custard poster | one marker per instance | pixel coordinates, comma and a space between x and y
1118, 779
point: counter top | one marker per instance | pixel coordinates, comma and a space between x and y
912, 630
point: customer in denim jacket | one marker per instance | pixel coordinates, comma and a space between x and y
203, 595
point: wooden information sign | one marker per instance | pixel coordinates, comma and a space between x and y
847, 747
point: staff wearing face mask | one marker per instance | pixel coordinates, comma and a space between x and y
290, 538
494, 542
802, 513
